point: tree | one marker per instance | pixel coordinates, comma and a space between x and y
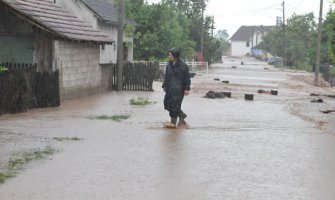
329, 38
157, 29
223, 38
300, 41
171, 23
191, 12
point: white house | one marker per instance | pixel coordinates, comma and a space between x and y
246, 38
103, 16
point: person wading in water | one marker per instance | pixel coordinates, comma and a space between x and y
176, 85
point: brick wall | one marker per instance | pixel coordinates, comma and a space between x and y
80, 72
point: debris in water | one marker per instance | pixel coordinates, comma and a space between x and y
227, 94
210, 94
249, 97
273, 92
317, 101
219, 95
327, 111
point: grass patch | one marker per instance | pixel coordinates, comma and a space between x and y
4, 176
16, 164
117, 118
140, 102
60, 139
3, 69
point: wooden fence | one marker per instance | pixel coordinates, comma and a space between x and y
136, 76
22, 88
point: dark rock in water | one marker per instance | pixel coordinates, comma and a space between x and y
234, 67
216, 79
225, 81
249, 97
210, 94
242, 63
317, 101
227, 94
328, 111
274, 92
260, 91
219, 95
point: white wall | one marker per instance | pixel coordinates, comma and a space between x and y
80, 71
79, 10
108, 53
239, 48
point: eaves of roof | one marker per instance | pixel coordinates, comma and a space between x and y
48, 16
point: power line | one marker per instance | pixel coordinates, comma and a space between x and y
252, 11
266, 8
296, 6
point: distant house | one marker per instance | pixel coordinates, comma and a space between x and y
39, 31
246, 39
103, 16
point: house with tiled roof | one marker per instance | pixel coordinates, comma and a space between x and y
246, 39
102, 15
42, 32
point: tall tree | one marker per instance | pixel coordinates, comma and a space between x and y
329, 33
223, 38
191, 12
171, 23
300, 41
157, 29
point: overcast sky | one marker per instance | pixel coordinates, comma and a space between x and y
231, 14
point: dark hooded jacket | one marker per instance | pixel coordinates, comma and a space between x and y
177, 80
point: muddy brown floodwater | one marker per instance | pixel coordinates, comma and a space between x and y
275, 147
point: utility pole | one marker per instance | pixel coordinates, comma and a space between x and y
284, 40
120, 46
317, 62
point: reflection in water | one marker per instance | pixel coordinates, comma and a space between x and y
172, 163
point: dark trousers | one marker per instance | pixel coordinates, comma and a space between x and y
174, 114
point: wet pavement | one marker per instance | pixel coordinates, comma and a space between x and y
275, 147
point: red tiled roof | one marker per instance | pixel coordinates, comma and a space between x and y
46, 15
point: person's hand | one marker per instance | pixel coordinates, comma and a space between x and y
186, 92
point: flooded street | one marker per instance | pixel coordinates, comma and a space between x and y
274, 147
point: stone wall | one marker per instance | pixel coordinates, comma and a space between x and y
80, 72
